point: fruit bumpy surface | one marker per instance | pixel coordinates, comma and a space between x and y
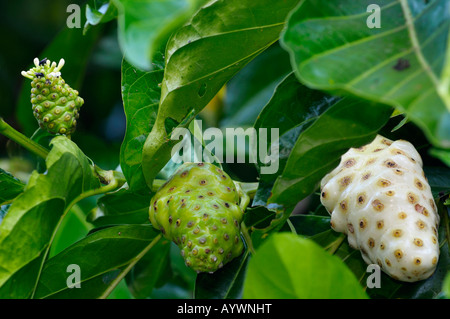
198, 209
379, 196
55, 104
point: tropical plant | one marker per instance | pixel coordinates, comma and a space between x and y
312, 78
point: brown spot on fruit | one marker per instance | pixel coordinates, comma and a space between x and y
421, 224
343, 205
417, 261
412, 198
402, 215
362, 223
350, 162
396, 151
390, 193
345, 181
380, 224
366, 176
398, 171
350, 228
397, 233
371, 242
421, 210
419, 184
377, 205
398, 253
383, 183
418, 242
390, 164
361, 198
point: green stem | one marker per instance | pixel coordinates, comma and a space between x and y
335, 245
247, 238
19, 138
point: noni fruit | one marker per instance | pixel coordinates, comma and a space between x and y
379, 196
55, 104
198, 209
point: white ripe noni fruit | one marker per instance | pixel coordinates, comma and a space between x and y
379, 197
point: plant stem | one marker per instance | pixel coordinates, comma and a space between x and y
247, 238
335, 245
19, 138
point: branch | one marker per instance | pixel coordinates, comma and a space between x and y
19, 138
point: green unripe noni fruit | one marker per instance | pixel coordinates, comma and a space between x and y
198, 209
55, 104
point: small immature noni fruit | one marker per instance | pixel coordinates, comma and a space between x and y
379, 196
55, 104
198, 209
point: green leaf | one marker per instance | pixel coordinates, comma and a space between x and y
442, 154
121, 207
10, 187
400, 64
347, 123
252, 87
140, 94
27, 231
288, 266
225, 283
446, 286
97, 12
202, 56
310, 225
145, 25
151, 271
292, 108
103, 258
438, 179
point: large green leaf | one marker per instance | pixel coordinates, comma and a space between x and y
121, 207
288, 266
103, 258
28, 229
202, 56
347, 123
140, 93
151, 271
291, 110
145, 25
402, 63
252, 87
225, 283
10, 187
